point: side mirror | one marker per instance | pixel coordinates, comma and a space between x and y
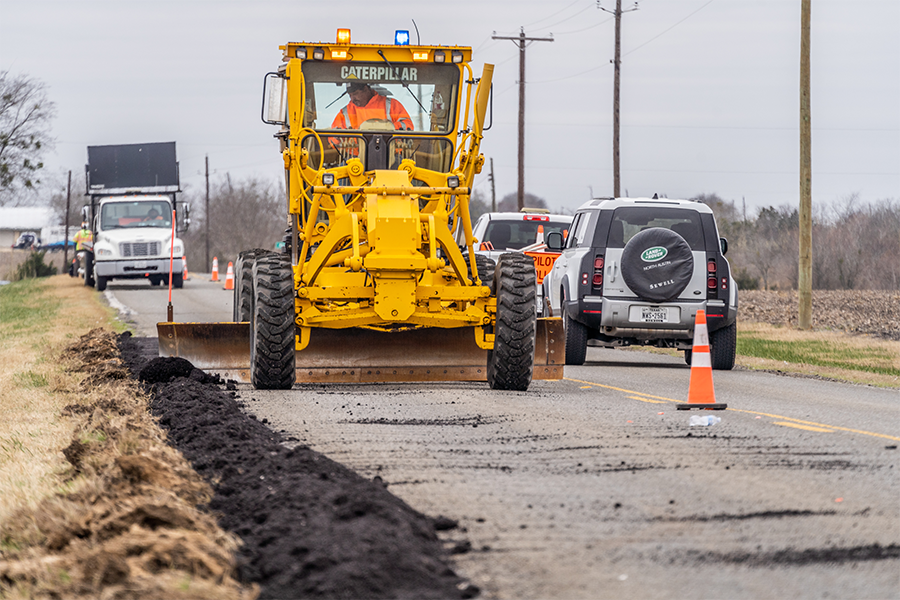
274, 108
185, 209
85, 213
554, 241
723, 243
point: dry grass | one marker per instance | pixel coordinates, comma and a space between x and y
95, 503
33, 394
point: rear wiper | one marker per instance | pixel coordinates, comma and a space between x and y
403, 82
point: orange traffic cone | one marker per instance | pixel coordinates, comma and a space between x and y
215, 270
229, 277
700, 393
184, 263
539, 239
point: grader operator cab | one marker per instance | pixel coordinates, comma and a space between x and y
379, 155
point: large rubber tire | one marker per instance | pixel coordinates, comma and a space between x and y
100, 282
88, 269
243, 284
178, 280
723, 347
486, 267
657, 264
272, 328
576, 337
688, 354
511, 362
156, 280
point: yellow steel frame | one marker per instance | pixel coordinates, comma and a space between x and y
375, 261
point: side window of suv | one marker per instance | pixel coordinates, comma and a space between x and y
579, 231
576, 223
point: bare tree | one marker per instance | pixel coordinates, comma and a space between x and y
25, 115
244, 214
510, 202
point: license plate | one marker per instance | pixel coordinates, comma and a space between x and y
650, 314
140, 265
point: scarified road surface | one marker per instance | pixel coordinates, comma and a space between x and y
575, 490
596, 487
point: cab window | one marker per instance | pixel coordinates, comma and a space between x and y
424, 94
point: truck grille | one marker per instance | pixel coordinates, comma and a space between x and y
139, 248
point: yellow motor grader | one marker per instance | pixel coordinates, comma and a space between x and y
379, 156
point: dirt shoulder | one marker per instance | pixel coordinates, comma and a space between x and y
93, 502
165, 488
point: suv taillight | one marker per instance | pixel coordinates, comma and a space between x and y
597, 279
712, 281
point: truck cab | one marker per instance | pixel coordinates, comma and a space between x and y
133, 240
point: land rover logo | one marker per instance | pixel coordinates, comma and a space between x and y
654, 254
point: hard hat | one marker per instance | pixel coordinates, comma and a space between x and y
354, 86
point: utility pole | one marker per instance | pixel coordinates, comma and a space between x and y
617, 67
207, 211
493, 189
521, 39
805, 274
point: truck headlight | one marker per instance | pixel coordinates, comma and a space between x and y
104, 252
177, 250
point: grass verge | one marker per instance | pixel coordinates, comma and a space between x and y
93, 502
828, 354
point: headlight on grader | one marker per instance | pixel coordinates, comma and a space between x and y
328, 179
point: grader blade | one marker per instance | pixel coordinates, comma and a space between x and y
359, 355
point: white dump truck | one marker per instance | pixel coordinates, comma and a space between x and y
132, 208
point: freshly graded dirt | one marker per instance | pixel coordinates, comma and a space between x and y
310, 527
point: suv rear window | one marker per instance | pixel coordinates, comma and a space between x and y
513, 235
628, 221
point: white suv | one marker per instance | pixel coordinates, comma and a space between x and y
500, 232
635, 271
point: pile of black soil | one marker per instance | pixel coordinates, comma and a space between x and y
311, 527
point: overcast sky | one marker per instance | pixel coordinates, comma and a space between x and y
709, 99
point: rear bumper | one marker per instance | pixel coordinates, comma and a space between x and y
625, 317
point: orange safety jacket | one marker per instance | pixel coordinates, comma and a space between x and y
378, 107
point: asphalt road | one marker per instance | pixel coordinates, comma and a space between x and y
596, 487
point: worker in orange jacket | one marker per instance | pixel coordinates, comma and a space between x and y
366, 104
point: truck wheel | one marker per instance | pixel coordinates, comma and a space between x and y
178, 280
687, 356
576, 337
511, 362
657, 264
272, 328
243, 284
88, 269
155, 280
100, 282
722, 347
486, 268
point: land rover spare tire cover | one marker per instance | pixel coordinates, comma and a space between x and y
657, 264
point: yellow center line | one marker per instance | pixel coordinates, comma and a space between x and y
806, 427
646, 400
749, 412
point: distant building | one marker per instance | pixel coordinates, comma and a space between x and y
16, 221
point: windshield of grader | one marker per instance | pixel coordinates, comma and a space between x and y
367, 98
